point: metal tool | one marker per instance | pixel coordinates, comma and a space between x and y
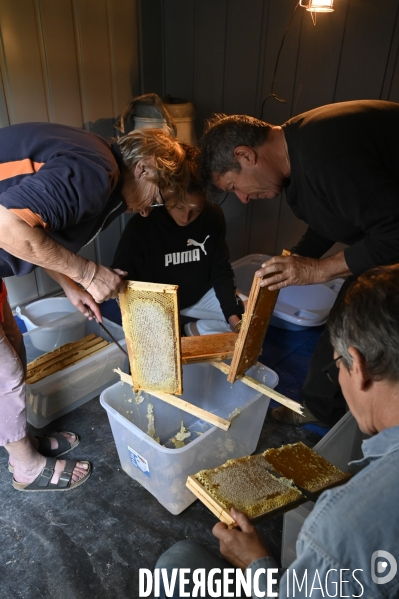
305, 492
104, 328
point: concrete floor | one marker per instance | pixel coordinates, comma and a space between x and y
91, 542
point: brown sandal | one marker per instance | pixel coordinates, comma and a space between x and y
42, 481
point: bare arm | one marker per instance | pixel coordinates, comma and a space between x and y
81, 299
33, 245
282, 271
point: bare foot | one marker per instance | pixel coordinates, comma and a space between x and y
28, 463
25, 474
71, 438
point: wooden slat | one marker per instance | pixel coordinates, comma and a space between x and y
207, 347
157, 287
181, 404
62, 352
142, 286
255, 322
251, 382
77, 356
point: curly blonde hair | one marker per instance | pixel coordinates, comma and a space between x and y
168, 156
194, 184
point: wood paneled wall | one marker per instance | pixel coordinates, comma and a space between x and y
221, 54
79, 61
74, 62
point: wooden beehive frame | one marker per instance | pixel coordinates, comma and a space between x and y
254, 326
220, 511
208, 347
63, 357
133, 350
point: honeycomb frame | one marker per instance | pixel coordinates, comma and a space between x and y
150, 320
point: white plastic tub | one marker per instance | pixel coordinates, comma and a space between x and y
341, 445
43, 314
71, 387
160, 467
297, 306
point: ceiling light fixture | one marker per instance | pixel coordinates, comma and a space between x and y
318, 5
315, 6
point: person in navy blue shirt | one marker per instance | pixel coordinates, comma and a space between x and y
59, 187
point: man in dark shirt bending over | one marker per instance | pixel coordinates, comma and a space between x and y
338, 165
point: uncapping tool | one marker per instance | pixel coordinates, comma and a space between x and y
104, 328
308, 494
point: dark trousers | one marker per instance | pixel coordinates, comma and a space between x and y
322, 394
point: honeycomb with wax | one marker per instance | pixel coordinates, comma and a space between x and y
245, 484
150, 323
308, 469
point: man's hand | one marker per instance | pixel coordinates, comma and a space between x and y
79, 298
240, 547
282, 271
106, 283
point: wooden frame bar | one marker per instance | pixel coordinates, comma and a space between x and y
208, 347
181, 404
141, 286
248, 380
255, 323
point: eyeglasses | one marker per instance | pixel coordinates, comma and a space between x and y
161, 203
326, 370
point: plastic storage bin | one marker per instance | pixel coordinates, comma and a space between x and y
341, 445
160, 467
68, 389
42, 314
297, 306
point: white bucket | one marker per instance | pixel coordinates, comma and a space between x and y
149, 123
44, 311
184, 126
45, 315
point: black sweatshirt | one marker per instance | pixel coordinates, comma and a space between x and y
195, 257
345, 180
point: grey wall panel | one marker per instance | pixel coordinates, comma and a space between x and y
237, 217
21, 290
94, 60
243, 46
390, 89
4, 120
264, 226
123, 22
58, 56
290, 228
319, 53
209, 57
179, 48
277, 22
21, 67
151, 41
365, 49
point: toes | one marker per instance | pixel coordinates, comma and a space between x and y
79, 471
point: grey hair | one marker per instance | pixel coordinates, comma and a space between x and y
367, 318
222, 135
167, 154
